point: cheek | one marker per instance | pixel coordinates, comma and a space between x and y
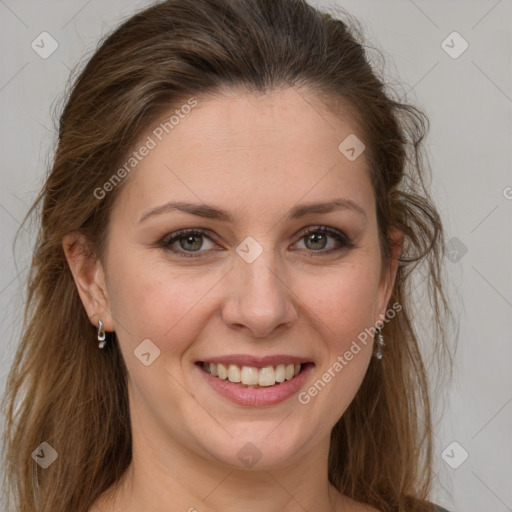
149, 300
345, 300
346, 308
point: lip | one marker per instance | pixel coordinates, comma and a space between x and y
256, 397
258, 362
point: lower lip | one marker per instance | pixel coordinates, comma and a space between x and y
257, 397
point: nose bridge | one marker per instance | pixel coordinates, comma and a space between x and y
259, 298
258, 276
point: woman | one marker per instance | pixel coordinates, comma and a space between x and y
219, 312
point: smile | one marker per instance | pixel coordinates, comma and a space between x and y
251, 376
255, 382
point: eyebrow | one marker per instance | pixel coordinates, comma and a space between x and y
212, 212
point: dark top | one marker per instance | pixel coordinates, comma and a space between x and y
440, 509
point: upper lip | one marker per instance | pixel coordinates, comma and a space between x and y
258, 362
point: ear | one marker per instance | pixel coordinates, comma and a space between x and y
387, 282
89, 279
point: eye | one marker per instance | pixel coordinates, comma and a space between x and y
189, 241
316, 238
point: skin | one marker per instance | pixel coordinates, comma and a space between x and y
257, 157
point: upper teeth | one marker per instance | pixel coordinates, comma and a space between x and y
250, 375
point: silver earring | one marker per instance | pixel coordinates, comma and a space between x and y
380, 338
101, 335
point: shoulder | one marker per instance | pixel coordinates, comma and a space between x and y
440, 509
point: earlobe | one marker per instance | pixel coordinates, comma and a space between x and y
89, 278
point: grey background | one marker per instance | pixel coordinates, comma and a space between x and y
469, 102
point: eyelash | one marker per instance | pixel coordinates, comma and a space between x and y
340, 237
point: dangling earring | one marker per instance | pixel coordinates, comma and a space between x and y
101, 335
380, 338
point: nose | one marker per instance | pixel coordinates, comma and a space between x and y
258, 298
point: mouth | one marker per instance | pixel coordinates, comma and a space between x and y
254, 377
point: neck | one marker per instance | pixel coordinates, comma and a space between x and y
167, 477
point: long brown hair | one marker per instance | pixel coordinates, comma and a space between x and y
64, 391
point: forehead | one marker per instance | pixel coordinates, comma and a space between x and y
247, 150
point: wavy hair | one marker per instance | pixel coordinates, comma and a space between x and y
63, 390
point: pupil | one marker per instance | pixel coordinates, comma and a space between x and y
189, 239
315, 237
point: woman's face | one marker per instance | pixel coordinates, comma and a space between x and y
250, 287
